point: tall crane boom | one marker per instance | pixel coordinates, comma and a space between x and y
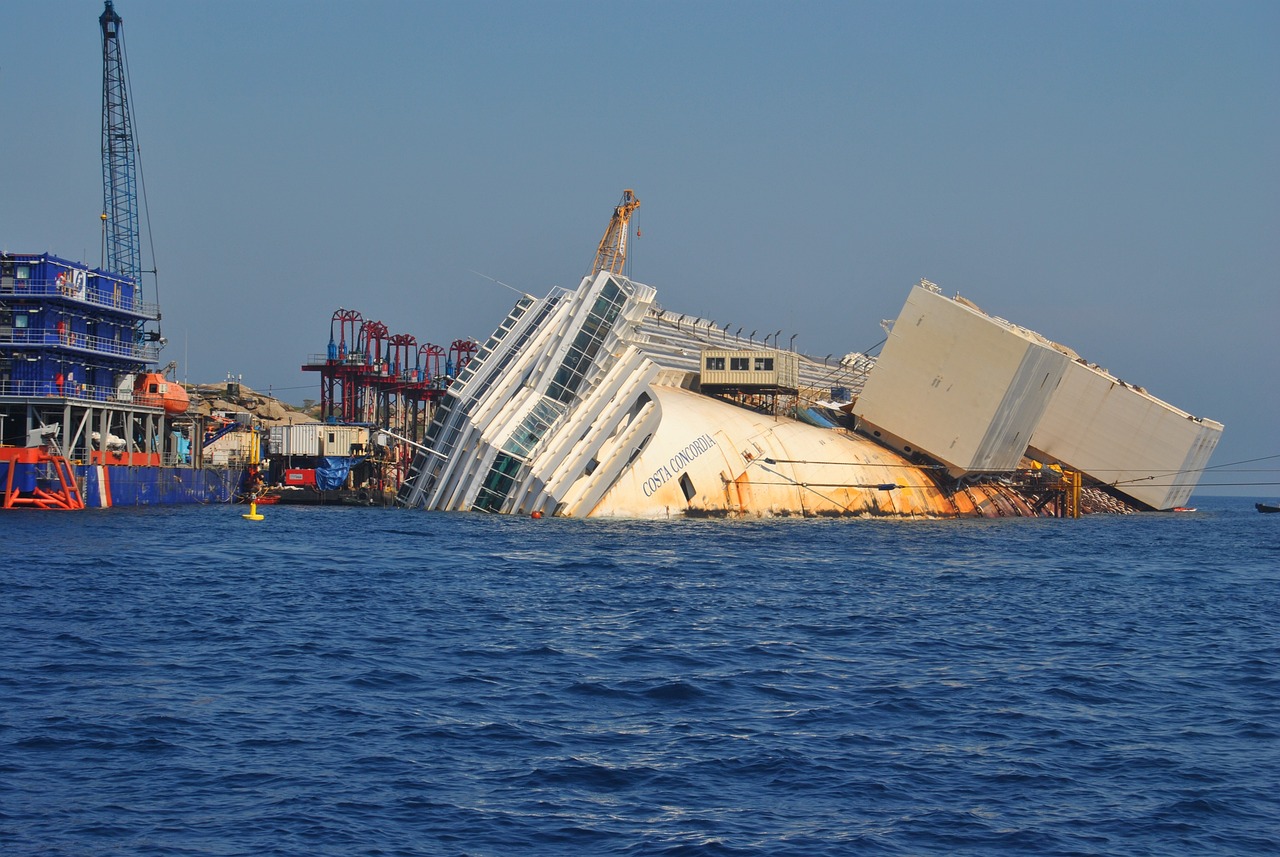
611, 256
119, 156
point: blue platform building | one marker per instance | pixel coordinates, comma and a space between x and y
70, 331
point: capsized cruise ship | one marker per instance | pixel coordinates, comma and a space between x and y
596, 402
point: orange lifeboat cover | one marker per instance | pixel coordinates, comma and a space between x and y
157, 391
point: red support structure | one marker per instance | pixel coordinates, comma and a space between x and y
374, 335
344, 332
365, 404
35, 479
460, 354
349, 323
400, 348
431, 359
370, 376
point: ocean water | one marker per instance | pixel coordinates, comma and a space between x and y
382, 682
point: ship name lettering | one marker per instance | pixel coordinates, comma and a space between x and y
678, 462
656, 481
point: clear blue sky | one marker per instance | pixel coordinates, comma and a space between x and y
1105, 173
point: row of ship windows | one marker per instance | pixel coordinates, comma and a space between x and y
560, 394
581, 356
452, 416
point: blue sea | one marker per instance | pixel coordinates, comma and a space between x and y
330, 681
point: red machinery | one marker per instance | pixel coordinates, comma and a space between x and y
431, 361
349, 323
460, 354
374, 336
372, 376
400, 349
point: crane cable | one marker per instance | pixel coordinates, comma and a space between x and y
1204, 470
142, 182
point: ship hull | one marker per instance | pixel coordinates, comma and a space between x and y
106, 486
710, 458
598, 403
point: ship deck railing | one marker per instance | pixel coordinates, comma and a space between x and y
69, 391
117, 300
74, 341
676, 342
355, 359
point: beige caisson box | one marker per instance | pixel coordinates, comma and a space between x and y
958, 385
978, 393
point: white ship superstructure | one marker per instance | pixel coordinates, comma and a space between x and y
557, 386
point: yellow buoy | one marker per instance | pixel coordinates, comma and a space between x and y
253, 512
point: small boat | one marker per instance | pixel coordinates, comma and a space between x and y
1184, 508
1267, 507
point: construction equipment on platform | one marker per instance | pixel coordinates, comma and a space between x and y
611, 255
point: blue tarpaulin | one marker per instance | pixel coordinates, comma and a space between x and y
814, 418
333, 472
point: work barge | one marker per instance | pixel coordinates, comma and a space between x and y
598, 402
87, 419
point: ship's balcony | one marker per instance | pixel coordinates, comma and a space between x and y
119, 299
81, 343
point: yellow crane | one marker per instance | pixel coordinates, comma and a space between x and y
612, 253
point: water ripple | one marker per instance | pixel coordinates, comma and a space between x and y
408, 684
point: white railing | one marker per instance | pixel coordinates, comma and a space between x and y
73, 391
83, 342
121, 298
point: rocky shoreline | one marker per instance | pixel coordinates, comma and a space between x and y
236, 398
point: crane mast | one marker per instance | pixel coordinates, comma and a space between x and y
119, 156
611, 255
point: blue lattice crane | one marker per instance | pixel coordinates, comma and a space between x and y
119, 156
120, 170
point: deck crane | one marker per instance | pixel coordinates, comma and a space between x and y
119, 156
611, 256
120, 171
